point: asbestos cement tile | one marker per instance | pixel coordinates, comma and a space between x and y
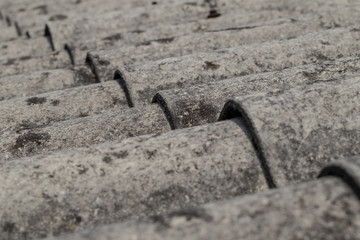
8, 33
77, 29
34, 19
298, 131
201, 104
74, 189
323, 209
104, 62
33, 83
141, 82
27, 64
42, 109
85, 131
36, 47
327, 17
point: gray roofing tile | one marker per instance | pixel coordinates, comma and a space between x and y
25, 47
141, 82
249, 11
8, 33
85, 131
175, 46
73, 189
323, 209
27, 64
201, 104
32, 22
298, 131
42, 109
141, 35
44, 81
79, 28
347, 169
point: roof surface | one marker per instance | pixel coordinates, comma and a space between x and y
203, 119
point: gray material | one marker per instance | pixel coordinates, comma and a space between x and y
322, 209
36, 47
36, 7
298, 131
326, 15
44, 81
141, 82
201, 104
42, 109
109, 126
153, 174
8, 34
27, 64
104, 24
30, 19
121, 38
104, 62
348, 170
72, 8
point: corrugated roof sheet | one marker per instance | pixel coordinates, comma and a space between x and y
204, 119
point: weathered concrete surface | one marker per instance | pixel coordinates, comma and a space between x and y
323, 209
139, 36
44, 81
201, 104
104, 62
15, 8
298, 131
327, 17
27, 64
104, 24
63, 32
73, 189
71, 7
8, 33
141, 82
20, 47
109, 126
42, 109
348, 170
34, 19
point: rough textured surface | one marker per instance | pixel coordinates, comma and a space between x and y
104, 62
74, 185
44, 81
7, 34
73, 189
61, 11
105, 24
20, 47
42, 109
84, 131
348, 170
141, 82
249, 15
201, 104
141, 36
298, 131
26, 64
323, 209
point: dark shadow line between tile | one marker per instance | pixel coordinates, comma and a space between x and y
158, 98
119, 77
69, 49
233, 109
18, 29
342, 173
48, 36
90, 62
